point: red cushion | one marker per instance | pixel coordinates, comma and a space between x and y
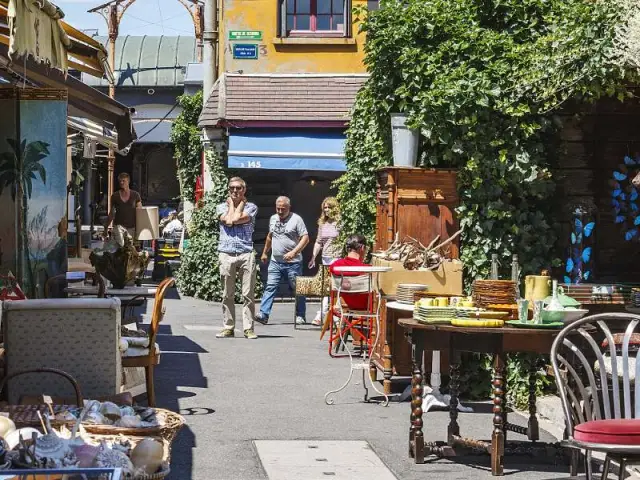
611, 432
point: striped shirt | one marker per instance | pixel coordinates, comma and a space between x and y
327, 235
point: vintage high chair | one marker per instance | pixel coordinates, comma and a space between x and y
597, 370
150, 357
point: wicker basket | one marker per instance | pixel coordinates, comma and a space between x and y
27, 415
170, 424
318, 286
166, 461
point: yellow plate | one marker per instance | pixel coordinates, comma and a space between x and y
477, 323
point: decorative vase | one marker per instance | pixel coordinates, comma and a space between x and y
404, 141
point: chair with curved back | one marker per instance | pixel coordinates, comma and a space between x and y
597, 370
150, 357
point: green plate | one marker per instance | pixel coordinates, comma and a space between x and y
519, 324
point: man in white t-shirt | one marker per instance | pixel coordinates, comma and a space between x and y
287, 239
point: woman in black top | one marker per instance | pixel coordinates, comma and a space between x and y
123, 206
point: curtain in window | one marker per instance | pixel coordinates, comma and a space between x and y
282, 18
347, 18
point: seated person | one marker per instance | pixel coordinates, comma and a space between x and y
356, 251
173, 225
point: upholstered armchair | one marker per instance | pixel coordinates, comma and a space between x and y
79, 336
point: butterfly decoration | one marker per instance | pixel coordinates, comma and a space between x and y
578, 265
625, 198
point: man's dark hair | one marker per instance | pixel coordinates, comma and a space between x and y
355, 243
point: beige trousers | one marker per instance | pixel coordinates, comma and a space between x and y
230, 266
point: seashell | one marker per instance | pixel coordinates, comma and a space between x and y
92, 405
51, 446
110, 410
97, 418
148, 414
6, 426
148, 455
129, 421
108, 458
13, 438
86, 455
65, 416
127, 411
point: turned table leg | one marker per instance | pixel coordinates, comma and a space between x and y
499, 404
454, 384
416, 437
533, 432
387, 354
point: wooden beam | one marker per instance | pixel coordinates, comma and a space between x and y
81, 36
85, 68
90, 61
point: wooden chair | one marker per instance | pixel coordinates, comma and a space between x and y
597, 369
151, 357
351, 323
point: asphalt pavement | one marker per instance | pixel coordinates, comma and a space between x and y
240, 396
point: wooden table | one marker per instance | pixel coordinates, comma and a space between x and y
127, 295
392, 354
113, 292
496, 341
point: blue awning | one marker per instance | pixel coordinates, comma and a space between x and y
287, 150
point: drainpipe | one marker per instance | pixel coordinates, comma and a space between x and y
210, 39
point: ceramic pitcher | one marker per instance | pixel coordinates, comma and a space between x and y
537, 287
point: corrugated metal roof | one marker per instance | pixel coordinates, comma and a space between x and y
281, 97
149, 61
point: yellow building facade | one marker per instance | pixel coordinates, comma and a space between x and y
290, 36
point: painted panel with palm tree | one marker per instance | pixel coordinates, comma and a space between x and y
33, 171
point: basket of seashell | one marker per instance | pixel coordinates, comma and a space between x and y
107, 418
139, 458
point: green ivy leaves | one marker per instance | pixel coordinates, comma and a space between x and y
481, 80
187, 143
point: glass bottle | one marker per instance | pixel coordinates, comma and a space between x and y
494, 267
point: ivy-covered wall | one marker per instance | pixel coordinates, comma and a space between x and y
483, 82
199, 274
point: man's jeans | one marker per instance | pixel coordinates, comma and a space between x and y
277, 270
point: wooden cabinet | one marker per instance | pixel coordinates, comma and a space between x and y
416, 202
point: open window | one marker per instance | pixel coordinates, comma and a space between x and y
314, 18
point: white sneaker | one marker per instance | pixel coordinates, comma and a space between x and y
300, 321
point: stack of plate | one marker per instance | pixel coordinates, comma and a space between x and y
434, 314
405, 291
486, 292
478, 314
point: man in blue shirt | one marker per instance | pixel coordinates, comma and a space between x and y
235, 251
